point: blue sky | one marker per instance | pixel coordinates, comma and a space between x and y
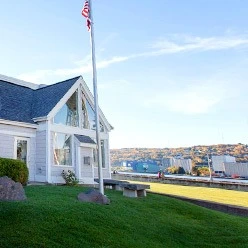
171, 73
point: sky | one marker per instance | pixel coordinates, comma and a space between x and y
171, 73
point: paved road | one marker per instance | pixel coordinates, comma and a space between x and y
241, 181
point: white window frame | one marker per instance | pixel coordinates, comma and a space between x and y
71, 150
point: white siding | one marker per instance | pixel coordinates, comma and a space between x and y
32, 159
56, 173
17, 131
41, 153
8, 133
6, 146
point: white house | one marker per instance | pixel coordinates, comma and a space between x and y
52, 128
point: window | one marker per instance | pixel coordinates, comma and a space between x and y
88, 115
103, 155
87, 160
68, 114
62, 149
85, 118
22, 150
91, 116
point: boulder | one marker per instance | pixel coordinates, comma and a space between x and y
10, 190
93, 195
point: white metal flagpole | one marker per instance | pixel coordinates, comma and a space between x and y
99, 152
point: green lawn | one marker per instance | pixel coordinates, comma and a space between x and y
231, 197
52, 217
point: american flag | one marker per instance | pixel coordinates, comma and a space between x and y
86, 14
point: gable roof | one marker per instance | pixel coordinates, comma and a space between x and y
22, 101
22, 104
46, 98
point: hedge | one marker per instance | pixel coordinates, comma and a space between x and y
14, 169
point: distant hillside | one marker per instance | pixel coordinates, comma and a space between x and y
198, 154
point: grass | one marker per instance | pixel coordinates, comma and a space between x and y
231, 197
52, 217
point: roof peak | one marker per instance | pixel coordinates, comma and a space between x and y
42, 86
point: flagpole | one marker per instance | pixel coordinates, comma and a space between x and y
101, 189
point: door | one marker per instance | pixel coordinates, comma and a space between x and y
86, 163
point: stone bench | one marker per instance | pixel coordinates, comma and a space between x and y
134, 190
114, 184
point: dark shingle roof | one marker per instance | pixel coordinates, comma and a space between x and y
20, 103
46, 98
15, 102
85, 139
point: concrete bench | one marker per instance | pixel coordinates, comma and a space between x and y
115, 184
134, 190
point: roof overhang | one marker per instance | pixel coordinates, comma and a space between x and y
19, 124
93, 146
85, 141
37, 119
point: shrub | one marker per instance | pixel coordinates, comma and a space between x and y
203, 171
195, 171
176, 170
14, 169
181, 170
69, 177
173, 170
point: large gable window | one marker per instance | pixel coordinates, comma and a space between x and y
88, 116
68, 114
62, 149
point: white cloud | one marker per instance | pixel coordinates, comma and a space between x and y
174, 44
182, 43
83, 67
